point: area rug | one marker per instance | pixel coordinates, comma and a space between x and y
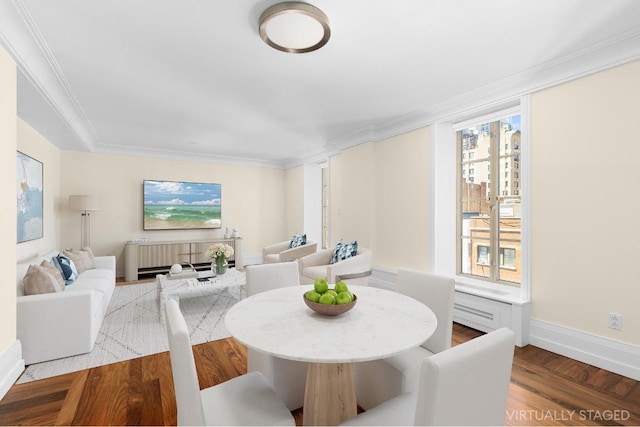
132, 327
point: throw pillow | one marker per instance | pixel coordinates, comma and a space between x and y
66, 267
83, 259
55, 273
298, 240
344, 250
90, 258
39, 281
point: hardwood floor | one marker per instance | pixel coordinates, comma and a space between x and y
546, 389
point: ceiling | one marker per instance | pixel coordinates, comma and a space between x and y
192, 79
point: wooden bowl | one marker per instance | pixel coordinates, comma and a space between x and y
330, 309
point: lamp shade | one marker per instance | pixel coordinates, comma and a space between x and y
84, 203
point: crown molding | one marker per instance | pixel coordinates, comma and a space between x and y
123, 150
24, 42
610, 53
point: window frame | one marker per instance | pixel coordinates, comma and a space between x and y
495, 157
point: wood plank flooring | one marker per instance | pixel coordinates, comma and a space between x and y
546, 389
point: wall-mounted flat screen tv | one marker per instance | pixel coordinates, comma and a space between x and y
175, 205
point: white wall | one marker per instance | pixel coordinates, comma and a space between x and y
335, 199
585, 226
294, 211
312, 194
303, 194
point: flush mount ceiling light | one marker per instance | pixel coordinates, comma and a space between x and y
294, 27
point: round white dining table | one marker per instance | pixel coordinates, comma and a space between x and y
381, 324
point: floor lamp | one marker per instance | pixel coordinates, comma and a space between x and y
84, 204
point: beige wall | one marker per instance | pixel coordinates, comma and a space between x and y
8, 199
380, 194
354, 204
253, 200
294, 195
33, 144
584, 224
401, 196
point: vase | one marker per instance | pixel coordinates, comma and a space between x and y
219, 266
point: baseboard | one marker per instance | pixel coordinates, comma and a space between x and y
604, 353
11, 366
383, 278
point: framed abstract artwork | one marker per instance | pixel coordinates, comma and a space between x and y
29, 182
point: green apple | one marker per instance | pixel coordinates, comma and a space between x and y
312, 296
320, 286
341, 287
344, 298
327, 298
332, 292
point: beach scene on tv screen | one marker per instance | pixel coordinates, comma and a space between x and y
180, 205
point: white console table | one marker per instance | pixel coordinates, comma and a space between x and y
156, 257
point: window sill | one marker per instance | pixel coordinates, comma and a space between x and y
502, 293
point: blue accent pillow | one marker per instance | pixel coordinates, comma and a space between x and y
298, 240
66, 267
344, 250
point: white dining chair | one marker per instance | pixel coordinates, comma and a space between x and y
287, 377
244, 400
379, 380
464, 385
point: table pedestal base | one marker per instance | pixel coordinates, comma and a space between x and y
330, 394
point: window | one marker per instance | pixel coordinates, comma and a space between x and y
508, 257
483, 255
489, 223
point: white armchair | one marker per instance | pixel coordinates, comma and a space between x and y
318, 265
280, 252
467, 385
379, 380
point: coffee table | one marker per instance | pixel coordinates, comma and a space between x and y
191, 287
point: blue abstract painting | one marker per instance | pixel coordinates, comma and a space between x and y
29, 192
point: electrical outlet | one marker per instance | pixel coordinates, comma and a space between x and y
615, 321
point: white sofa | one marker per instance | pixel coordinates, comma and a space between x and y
62, 324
